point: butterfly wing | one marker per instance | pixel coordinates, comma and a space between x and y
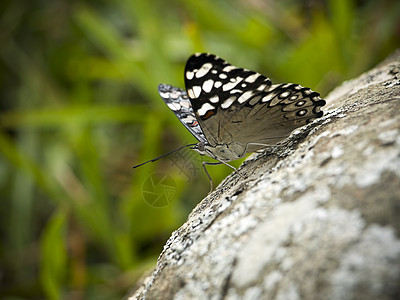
177, 101
235, 105
275, 113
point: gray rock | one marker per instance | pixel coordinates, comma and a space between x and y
318, 218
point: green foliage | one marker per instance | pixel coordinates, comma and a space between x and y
54, 256
79, 107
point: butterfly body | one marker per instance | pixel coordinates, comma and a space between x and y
223, 152
233, 111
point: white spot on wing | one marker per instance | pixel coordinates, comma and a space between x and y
228, 102
302, 112
189, 119
230, 85
214, 99
190, 93
235, 91
300, 103
205, 108
284, 94
207, 85
223, 76
164, 94
189, 75
228, 68
252, 78
185, 104
243, 98
196, 91
174, 106
261, 87
268, 97
203, 70
175, 94
217, 84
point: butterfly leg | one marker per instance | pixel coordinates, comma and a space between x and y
228, 165
214, 164
208, 175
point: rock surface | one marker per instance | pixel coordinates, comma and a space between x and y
318, 218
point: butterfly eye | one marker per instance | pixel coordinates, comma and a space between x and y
201, 146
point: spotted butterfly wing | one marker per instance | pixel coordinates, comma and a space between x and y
177, 101
240, 111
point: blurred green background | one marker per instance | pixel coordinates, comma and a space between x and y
79, 107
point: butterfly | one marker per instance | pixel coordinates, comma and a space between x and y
234, 111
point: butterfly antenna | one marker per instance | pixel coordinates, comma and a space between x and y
165, 154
